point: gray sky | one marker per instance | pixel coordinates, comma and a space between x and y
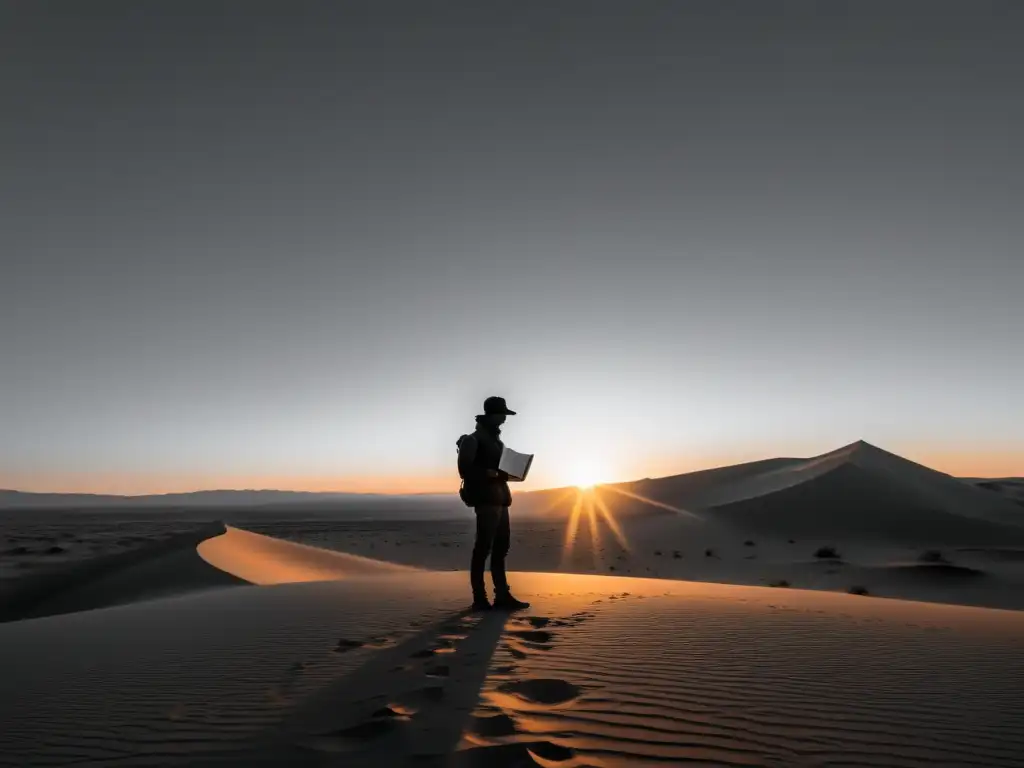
297, 244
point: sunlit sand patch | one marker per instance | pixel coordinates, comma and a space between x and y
265, 560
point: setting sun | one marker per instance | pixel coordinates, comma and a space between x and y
585, 474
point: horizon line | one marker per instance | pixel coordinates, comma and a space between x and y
380, 486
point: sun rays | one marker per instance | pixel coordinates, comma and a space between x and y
590, 509
652, 502
572, 526
610, 521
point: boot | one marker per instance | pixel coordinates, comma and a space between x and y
480, 603
505, 601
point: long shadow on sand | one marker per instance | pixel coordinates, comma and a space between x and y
411, 702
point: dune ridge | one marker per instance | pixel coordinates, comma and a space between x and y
157, 569
212, 556
259, 559
858, 490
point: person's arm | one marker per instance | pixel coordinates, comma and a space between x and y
467, 453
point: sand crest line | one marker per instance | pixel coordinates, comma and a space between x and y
260, 559
213, 556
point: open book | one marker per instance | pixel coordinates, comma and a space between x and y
517, 465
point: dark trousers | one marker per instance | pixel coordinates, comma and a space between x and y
492, 539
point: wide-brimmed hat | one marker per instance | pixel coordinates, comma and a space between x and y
496, 405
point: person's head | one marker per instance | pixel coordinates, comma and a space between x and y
495, 411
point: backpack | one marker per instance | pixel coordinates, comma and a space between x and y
463, 492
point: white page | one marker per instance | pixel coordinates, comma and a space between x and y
517, 465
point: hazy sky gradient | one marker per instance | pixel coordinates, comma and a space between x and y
296, 245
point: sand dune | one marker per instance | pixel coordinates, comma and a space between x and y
159, 569
213, 556
264, 560
858, 490
602, 671
227, 647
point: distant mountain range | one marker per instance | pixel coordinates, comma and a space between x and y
200, 499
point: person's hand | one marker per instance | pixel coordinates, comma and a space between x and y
493, 473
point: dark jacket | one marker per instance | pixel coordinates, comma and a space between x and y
479, 452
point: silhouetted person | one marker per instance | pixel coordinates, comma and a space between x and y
485, 488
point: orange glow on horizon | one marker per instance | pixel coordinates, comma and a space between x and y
977, 463
141, 484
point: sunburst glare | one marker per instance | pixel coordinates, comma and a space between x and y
590, 508
586, 473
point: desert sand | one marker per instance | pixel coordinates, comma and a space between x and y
329, 659
654, 637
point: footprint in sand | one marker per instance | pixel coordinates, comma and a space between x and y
452, 637
344, 645
519, 755
438, 670
541, 690
381, 641
445, 644
551, 751
394, 712
533, 635
493, 725
515, 653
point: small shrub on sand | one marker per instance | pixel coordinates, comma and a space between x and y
932, 556
779, 583
748, 543
826, 553
676, 554
709, 553
792, 541
657, 553
859, 590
